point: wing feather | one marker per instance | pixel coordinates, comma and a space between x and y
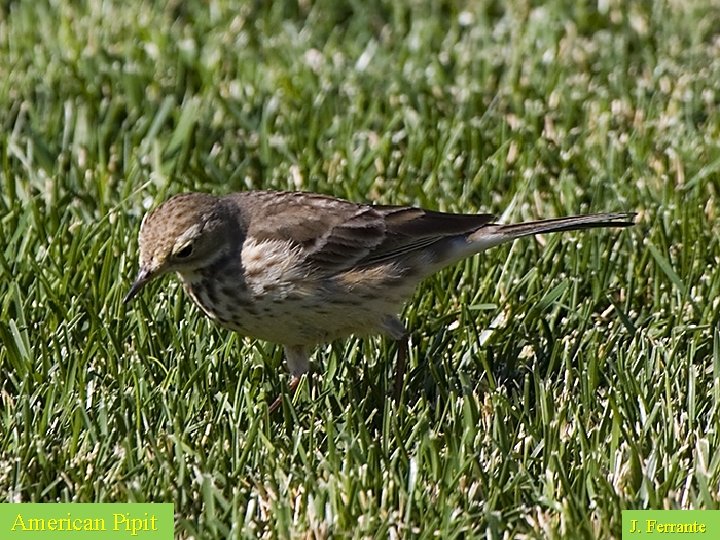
336, 235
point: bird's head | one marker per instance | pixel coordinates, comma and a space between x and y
183, 234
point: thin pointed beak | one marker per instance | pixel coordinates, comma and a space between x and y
142, 278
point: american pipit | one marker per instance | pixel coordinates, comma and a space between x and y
300, 269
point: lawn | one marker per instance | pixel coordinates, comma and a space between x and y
552, 383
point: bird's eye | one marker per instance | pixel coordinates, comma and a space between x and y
185, 252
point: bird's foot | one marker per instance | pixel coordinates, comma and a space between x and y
294, 382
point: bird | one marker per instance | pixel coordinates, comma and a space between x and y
300, 269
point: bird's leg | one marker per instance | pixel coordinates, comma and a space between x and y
393, 327
278, 400
298, 363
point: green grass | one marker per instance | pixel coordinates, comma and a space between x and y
552, 383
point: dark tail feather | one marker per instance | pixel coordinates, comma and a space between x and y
589, 221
